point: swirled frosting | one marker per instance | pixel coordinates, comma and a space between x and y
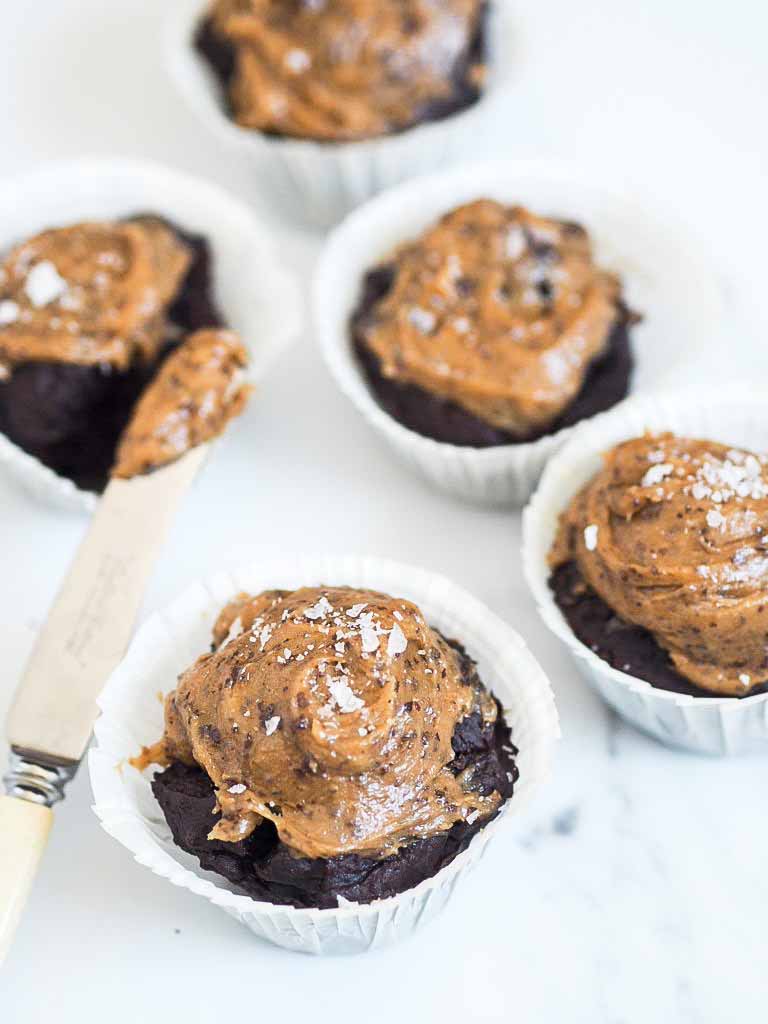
345, 69
197, 391
329, 711
497, 310
672, 534
93, 294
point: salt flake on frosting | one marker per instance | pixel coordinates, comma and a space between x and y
44, 284
319, 610
271, 724
397, 642
656, 474
590, 536
342, 694
9, 312
422, 319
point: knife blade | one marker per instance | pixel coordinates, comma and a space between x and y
84, 637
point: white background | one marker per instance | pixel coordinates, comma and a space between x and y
636, 888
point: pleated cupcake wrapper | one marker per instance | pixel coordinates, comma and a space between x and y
656, 259
733, 415
131, 716
321, 182
256, 295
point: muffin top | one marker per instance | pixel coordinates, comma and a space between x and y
198, 389
345, 69
672, 534
497, 310
329, 711
93, 294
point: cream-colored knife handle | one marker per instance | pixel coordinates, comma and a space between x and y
24, 829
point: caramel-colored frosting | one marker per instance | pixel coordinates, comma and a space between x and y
343, 69
92, 294
497, 310
672, 533
197, 391
329, 711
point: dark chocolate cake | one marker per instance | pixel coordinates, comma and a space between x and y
264, 868
220, 54
70, 417
606, 383
629, 648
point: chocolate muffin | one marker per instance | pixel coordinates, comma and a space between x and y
494, 327
660, 565
344, 70
88, 314
331, 746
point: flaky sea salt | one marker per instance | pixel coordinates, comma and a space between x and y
319, 610
297, 60
9, 312
422, 319
237, 788
271, 724
590, 537
342, 694
44, 284
397, 642
656, 474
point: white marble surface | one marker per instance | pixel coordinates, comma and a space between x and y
636, 890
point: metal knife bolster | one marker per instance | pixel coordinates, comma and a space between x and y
30, 778
88, 629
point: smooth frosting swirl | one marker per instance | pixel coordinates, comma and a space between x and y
497, 310
344, 69
672, 534
329, 711
197, 391
93, 294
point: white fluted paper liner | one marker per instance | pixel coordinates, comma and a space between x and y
733, 415
256, 295
658, 262
319, 181
132, 716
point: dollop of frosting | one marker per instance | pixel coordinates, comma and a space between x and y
672, 534
344, 69
497, 310
197, 391
92, 294
329, 711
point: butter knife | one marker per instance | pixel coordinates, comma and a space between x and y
84, 637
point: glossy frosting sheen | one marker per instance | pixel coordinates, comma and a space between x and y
343, 69
672, 533
497, 310
197, 391
90, 294
329, 711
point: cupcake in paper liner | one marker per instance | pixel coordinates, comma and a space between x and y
108, 267
474, 331
645, 549
335, 101
356, 734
